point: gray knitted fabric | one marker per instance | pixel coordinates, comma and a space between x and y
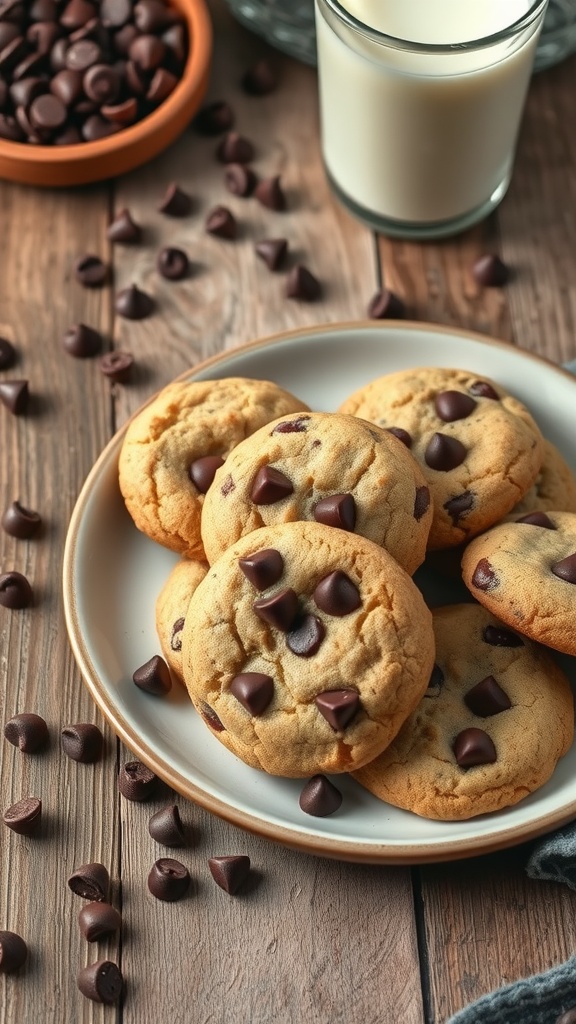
540, 999
554, 859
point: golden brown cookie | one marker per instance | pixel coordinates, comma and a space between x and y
305, 648
555, 486
525, 572
497, 716
334, 469
171, 608
173, 447
478, 447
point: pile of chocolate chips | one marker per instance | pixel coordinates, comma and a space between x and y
76, 71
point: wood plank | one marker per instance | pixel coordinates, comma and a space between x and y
44, 457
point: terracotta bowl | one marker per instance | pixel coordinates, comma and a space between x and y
59, 166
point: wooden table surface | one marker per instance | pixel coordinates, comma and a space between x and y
315, 940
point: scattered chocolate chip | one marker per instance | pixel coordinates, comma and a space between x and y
499, 636
273, 251
147, 52
202, 471
484, 577
91, 271
82, 54
15, 590
484, 390
117, 366
151, 15
221, 222
385, 305
165, 826
565, 569
162, 85
13, 952
229, 872
27, 731
337, 510
435, 683
235, 149
254, 690
210, 717
136, 781
336, 594
453, 405
228, 486
91, 882
115, 13
240, 180
173, 264
124, 229
82, 341
97, 920
134, 304
569, 1017
320, 797
263, 568
154, 677
269, 486
20, 522
401, 434
473, 746
487, 698
168, 880
490, 271
101, 982
24, 816
297, 426
301, 284
444, 452
537, 519
175, 203
421, 503
7, 354
338, 707
458, 506
82, 742
176, 636
280, 610
47, 113
260, 79
305, 639
269, 193
214, 119
14, 395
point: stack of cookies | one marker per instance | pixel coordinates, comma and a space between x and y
293, 619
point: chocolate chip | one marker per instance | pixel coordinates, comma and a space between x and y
484, 577
338, 707
385, 305
214, 118
421, 502
121, 113
336, 594
453, 405
565, 569
337, 510
82, 742
490, 271
487, 698
10, 129
91, 882
499, 636
263, 568
320, 797
269, 486
15, 591
97, 920
401, 434
7, 354
96, 127
147, 52
240, 180
305, 639
210, 717
297, 426
235, 149
301, 284
175, 39
483, 389
260, 79
67, 86
20, 522
134, 304
458, 506
115, 13
25, 90
14, 395
117, 366
82, 55
273, 251
27, 731
228, 486
254, 690
76, 14
168, 880
537, 519
444, 453
176, 636
435, 683
136, 781
154, 677
472, 747
221, 222
202, 471
101, 982
269, 193
90, 271
24, 816
102, 84
13, 952
229, 872
176, 202
165, 826
82, 341
124, 229
280, 610
151, 15
173, 264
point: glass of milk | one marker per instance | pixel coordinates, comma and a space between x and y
420, 104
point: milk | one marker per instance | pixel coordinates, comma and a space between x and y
416, 138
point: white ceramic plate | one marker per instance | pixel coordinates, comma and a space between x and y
112, 575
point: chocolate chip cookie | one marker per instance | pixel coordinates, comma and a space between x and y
525, 572
171, 607
478, 447
334, 469
497, 716
305, 648
173, 447
555, 486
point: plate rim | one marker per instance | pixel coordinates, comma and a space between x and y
325, 846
